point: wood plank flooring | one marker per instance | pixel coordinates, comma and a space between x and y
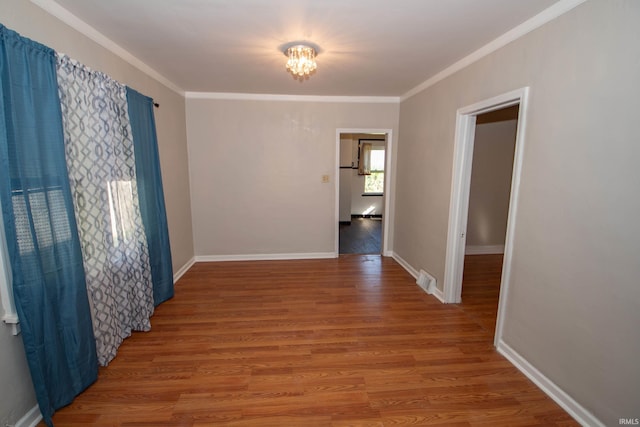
350, 341
361, 236
481, 289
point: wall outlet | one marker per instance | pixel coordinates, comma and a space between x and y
325, 179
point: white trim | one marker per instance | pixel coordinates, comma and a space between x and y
459, 202
336, 189
388, 189
14, 323
31, 418
438, 294
573, 408
264, 257
178, 274
529, 25
514, 198
9, 313
415, 273
404, 264
82, 27
552, 12
484, 250
458, 207
292, 98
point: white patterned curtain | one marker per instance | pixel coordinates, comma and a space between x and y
364, 159
101, 163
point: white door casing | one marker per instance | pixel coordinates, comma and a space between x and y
459, 203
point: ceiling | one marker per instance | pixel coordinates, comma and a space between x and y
367, 47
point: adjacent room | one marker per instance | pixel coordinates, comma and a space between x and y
319, 213
361, 192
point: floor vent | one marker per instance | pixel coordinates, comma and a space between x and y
426, 281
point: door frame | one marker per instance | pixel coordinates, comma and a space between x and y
387, 185
459, 203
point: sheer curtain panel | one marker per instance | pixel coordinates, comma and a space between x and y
42, 239
102, 173
364, 159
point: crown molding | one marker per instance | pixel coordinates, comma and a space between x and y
82, 27
558, 9
549, 14
293, 98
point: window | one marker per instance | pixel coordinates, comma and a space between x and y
40, 216
46, 213
122, 212
374, 182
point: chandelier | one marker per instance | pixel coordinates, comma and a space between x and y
302, 60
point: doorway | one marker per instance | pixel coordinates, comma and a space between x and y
459, 207
362, 189
489, 196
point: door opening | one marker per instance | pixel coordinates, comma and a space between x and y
460, 197
362, 189
489, 195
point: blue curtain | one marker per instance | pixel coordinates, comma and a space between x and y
44, 250
150, 193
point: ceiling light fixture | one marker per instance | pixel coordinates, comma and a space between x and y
302, 59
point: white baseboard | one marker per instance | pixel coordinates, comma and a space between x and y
439, 295
484, 250
34, 416
573, 408
264, 257
31, 418
415, 273
412, 271
251, 257
178, 274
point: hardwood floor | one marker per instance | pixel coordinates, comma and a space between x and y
361, 236
351, 341
481, 288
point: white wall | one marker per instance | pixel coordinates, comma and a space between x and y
256, 169
345, 195
346, 170
359, 203
33, 22
489, 193
16, 393
352, 202
573, 307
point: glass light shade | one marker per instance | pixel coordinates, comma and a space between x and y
302, 60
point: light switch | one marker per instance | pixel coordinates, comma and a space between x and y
325, 178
